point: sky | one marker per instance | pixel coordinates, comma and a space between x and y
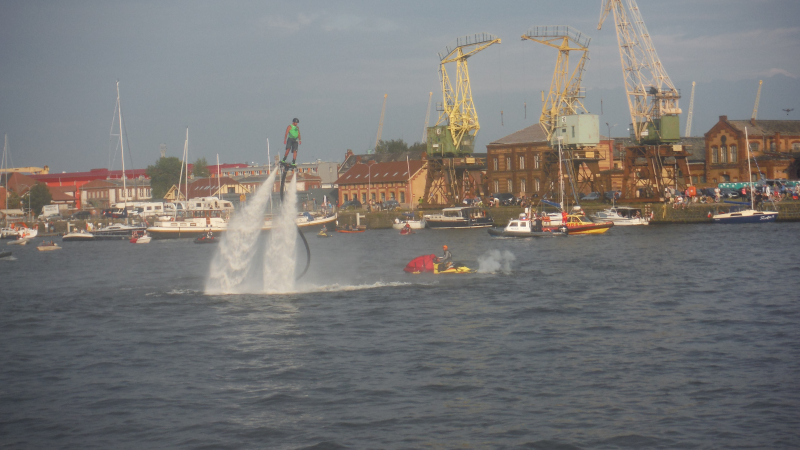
236, 72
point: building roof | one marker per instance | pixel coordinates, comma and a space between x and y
93, 174
97, 184
382, 172
696, 146
531, 134
350, 158
767, 127
20, 183
208, 187
62, 193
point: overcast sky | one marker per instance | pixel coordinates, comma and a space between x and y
237, 72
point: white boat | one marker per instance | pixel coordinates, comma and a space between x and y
117, 231
19, 241
527, 228
745, 215
46, 247
622, 215
459, 217
19, 230
411, 220
140, 237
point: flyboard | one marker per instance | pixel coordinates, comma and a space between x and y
285, 168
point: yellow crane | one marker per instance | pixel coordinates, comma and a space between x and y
380, 125
31, 170
458, 115
652, 98
564, 98
758, 97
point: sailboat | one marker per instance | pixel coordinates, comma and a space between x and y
749, 215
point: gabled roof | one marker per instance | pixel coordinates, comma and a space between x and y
767, 127
93, 174
351, 158
98, 184
532, 134
62, 193
386, 172
20, 183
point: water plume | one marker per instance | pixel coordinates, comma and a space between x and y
496, 261
281, 252
232, 261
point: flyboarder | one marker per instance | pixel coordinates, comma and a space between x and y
292, 139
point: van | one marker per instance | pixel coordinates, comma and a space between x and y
48, 211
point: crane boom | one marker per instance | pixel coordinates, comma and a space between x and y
652, 98
380, 124
458, 113
758, 97
689, 117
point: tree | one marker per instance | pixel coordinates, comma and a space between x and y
200, 168
392, 146
13, 200
39, 196
418, 147
165, 173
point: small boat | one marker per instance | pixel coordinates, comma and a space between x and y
206, 239
406, 231
410, 220
429, 264
580, 224
76, 236
5, 254
524, 228
140, 237
622, 215
48, 246
360, 229
20, 241
459, 217
323, 233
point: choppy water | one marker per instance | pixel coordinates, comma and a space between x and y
646, 337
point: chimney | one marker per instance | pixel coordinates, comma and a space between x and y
723, 118
358, 159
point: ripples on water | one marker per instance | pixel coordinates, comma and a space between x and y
651, 337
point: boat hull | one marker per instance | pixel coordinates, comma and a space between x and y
746, 217
414, 224
498, 232
77, 237
176, 230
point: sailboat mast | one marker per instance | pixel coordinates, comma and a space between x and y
4, 173
186, 164
749, 173
560, 174
122, 151
219, 180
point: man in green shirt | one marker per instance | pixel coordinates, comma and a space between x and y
292, 139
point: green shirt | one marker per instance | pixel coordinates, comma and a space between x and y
294, 132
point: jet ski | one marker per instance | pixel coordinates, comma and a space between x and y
429, 264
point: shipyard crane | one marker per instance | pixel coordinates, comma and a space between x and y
652, 98
427, 118
380, 125
755, 106
458, 110
689, 116
564, 98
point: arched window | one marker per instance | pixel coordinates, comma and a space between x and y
496, 185
508, 163
734, 153
522, 186
510, 184
723, 154
714, 155
536, 184
495, 164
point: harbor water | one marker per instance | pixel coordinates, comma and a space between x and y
674, 336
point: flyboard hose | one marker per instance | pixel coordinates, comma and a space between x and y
284, 171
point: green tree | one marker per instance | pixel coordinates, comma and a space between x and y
13, 200
200, 168
39, 196
163, 175
418, 147
392, 146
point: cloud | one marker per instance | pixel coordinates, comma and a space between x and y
775, 71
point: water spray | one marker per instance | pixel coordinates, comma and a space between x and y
284, 172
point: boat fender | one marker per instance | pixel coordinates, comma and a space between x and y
709, 214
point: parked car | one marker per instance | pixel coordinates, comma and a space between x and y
591, 196
355, 204
80, 215
613, 194
390, 205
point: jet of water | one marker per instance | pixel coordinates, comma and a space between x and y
231, 263
281, 252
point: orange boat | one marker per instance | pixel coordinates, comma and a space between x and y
580, 224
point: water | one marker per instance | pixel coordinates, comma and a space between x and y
646, 337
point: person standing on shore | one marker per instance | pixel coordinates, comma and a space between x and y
292, 140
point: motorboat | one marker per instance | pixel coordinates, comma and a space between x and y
48, 246
580, 224
430, 264
117, 231
524, 228
78, 236
5, 254
622, 215
140, 237
18, 230
410, 220
19, 241
459, 217
406, 231
206, 239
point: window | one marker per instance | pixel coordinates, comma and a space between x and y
345, 197
231, 190
754, 146
496, 186
734, 151
383, 196
723, 154
391, 196
796, 147
573, 131
695, 179
714, 155
726, 178
536, 161
402, 197
522, 186
495, 164
372, 196
536, 184
508, 163
510, 185
363, 197
521, 163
